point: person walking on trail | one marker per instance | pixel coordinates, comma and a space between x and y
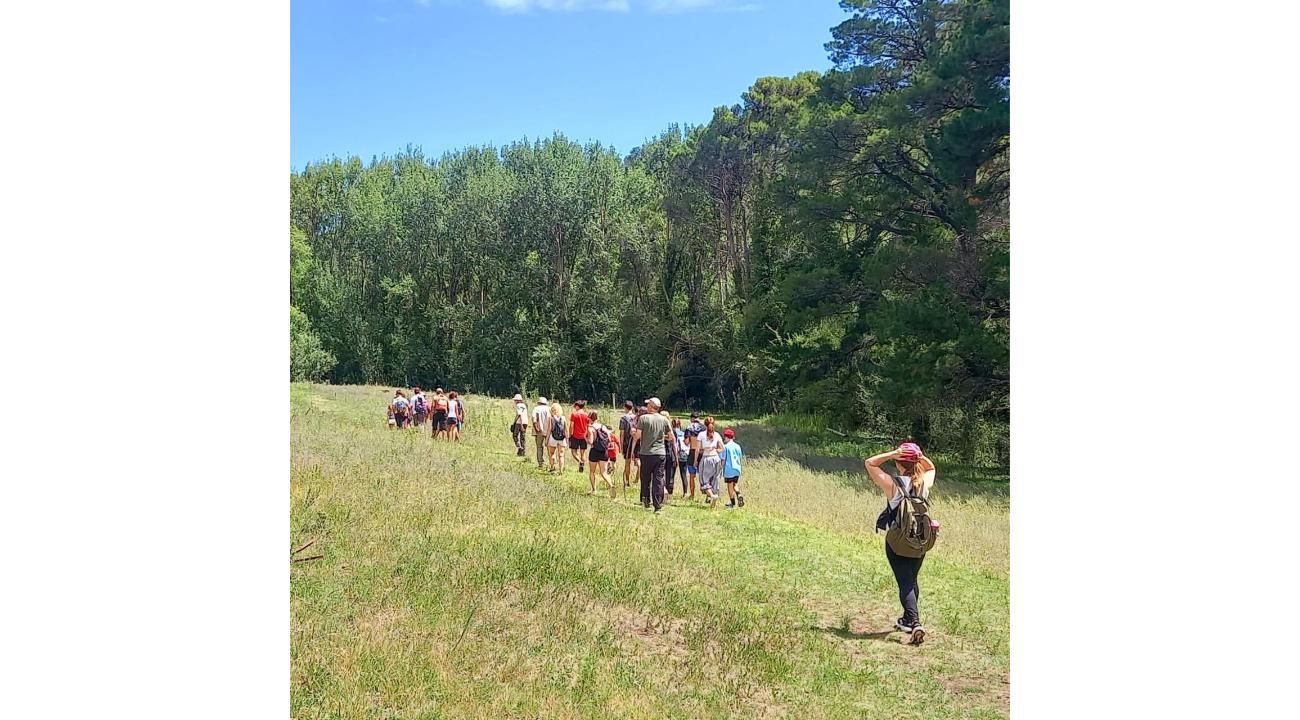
421, 407
601, 440
910, 483
670, 453
578, 422
693, 464
612, 454
708, 445
541, 422
519, 428
401, 408
440, 406
556, 438
626, 424
455, 415
650, 435
731, 458
683, 452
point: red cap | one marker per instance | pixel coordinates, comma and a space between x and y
728, 433
909, 452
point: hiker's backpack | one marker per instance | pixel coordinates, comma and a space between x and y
911, 532
420, 407
600, 445
440, 404
557, 429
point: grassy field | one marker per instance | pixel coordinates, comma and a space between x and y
460, 582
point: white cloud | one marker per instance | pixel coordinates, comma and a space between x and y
654, 6
526, 5
675, 6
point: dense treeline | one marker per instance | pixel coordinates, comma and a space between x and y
835, 244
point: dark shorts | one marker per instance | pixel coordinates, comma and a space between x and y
627, 447
578, 443
440, 420
732, 479
593, 456
401, 419
421, 417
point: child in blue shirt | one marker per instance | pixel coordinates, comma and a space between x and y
731, 457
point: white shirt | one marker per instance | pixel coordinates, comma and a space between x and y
453, 408
710, 447
521, 414
541, 416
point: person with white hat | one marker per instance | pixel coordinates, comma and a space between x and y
519, 428
541, 420
652, 430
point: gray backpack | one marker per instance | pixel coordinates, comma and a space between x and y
911, 532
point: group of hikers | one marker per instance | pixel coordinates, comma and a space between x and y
660, 449
648, 438
445, 412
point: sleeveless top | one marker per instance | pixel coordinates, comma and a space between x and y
707, 445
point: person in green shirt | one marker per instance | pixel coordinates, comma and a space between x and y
651, 438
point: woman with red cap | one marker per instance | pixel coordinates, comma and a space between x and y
913, 476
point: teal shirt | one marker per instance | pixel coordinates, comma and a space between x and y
731, 456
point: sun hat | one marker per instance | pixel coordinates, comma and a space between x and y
541, 400
909, 452
728, 433
518, 397
654, 401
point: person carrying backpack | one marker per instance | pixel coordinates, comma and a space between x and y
440, 406
910, 531
401, 408
601, 441
556, 438
626, 424
421, 407
694, 428
519, 427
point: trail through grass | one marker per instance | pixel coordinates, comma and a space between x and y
460, 582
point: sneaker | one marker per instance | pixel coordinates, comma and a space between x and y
918, 634
740, 500
657, 511
581, 467
520, 453
903, 625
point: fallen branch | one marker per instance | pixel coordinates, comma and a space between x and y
313, 557
304, 546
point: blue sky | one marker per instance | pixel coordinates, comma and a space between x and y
370, 76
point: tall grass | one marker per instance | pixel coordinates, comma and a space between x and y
458, 581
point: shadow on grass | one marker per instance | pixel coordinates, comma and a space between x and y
956, 479
846, 634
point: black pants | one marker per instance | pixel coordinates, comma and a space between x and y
670, 471
677, 468
906, 570
517, 431
652, 480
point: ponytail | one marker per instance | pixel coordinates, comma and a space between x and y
911, 470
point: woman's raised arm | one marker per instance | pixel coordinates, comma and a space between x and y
881, 478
